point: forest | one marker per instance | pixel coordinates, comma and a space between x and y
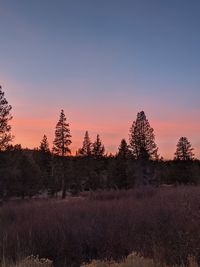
53, 172
95, 209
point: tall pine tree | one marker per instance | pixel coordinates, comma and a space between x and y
142, 139
98, 149
62, 137
5, 117
86, 149
184, 150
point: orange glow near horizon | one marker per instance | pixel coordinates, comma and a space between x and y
32, 119
30, 132
102, 64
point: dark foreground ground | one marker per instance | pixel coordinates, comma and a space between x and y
158, 223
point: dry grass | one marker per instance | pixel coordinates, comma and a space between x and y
161, 224
30, 261
133, 260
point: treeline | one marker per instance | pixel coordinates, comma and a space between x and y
29, 173
25, 172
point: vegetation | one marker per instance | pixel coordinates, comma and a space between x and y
86, 149
160, 224
42, 171
5, 117
44, 145
98, 149
30, 261
62, 137
39, 172
124, 151
133, 260
142, 138
184, 150
129, 202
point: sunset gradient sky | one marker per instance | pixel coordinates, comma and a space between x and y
102, 61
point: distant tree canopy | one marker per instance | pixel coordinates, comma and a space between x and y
98, 148
86, 149
142, 139
5, 117
184, 150
16, 147
62, 139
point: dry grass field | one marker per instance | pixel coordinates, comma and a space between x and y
161, 224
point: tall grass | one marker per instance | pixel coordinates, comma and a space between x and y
161, 224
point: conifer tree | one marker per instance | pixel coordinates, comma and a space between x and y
62, 137
86, 149
184, 150
142, 138
123, 151
98, 149
44, 161
44, 145
5, 117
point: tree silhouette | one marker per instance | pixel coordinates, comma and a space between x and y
62, 137
98, 149
86, 149
43, 159
184, 150
44, 145
142, 138
5, 117
123, 151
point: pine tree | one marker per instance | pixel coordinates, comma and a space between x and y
5, 117
142, 138
62, 137
86, 149
119, 174
184, 150
124, 151
98, 149
44, 145
43, 158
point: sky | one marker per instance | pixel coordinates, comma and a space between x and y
102, 61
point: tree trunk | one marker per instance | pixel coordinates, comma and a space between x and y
64, 188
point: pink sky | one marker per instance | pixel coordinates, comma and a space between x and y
29, 132
32, 119
102, 63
